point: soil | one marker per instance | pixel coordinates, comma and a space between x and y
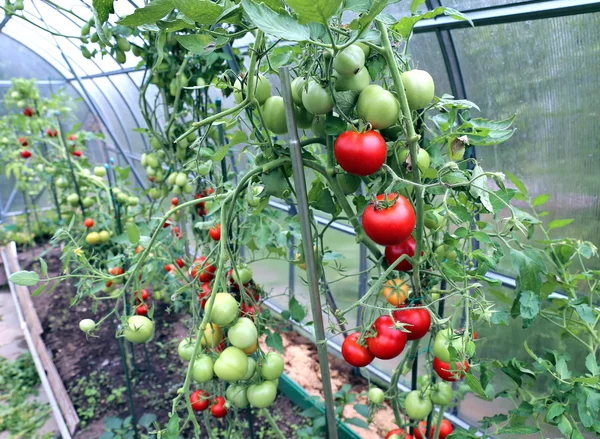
91, 369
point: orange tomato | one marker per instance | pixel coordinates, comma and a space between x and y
251, 349
395, 291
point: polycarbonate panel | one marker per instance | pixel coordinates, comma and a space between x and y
427, 55
545, 72
16, 60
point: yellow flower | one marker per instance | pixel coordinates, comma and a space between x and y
78, 251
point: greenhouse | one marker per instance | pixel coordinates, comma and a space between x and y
269, 219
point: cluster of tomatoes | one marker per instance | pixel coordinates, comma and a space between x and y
419, 433
92, 237
25, 153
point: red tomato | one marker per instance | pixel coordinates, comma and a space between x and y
168, 267
25, 154
248, 311
174, 201
199, 400
142, 296
109, 284
218, 410
141, 310
360, 153
389, 225
88, 223
398, 433
23, 141
151, 178
445, 430
28, 112
203, 297
51, 132
116, 271
180, 262
215, 232
72, 137
388, 341
138, 249
443, 370
418, 319
76, 153
356, 355
167, 224
203, 270
208, 191
474, 335
406, 247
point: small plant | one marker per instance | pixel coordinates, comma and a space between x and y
117, 428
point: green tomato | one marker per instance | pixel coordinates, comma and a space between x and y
154, 193
231, 365
272, 366
441, 393
181, 179
318, 126
243, 275
297, 88
357, 82
366, 49
123, 44
378, 107
376, 395
302, 117
99, 171
253, 196
251, 369
273, 112
133, 201
317, 99
262, 395
423, 159
262, 92
155, 143
417, 406
225, 309
139, 329
87, 202
349, 61
349, 183
73, 199
87, 325
185, 349
243, 334
419, 88
443, 340
104, 236
236, 395
434, 220
203, 369
62, 182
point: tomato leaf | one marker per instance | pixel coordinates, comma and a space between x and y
280, 24
150, 13
530, 304
173, 427
201, 44
518, 430
518, 183
356, 421
362, 409
296, 310
415, 4
475, 386
479, 188
43, 267
201, 11
586, 313
24, 278
319, 11
38, 290
103, 9
346, 100
557, 224
406, 24
540, 199
274, 341
592, 364
358, 6
133, 233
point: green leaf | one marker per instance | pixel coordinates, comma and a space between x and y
555, 410
356, 421
556, 224
38, 290
146, 420
43, 267
103, 9
461, 213
150, 13
362, 409
518, 183
201, 44
540, 199
334, 126
586, 313
274, 341
133, 233
475, 386
366, 19
482, 237
113, 422
278, 24
530, 304
358, 6
319, 11
592, 364
346, 100
530, 265
563, 369
24, 278
173, 427
518, 430
238, 137
201, 11
320, 198
296, 310
565, 426
405, 26
479, 188
414, 5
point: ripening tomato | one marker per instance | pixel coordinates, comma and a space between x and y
419, 88
398, 433
88, 223
139, 329
203, 296
378, 107
389, 225
23, 141
218, 410
207, 271
215, 232
212, 336
388, 341
142, 296
199, 400
445, 430
360, 153
142, 310
394, 252
417, 321
395, 291
355, 354
443, 369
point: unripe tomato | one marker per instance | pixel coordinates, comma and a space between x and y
419, 88
378, 107
225, 309
251, 369
88, 223
417, 405
355, 354
376, 395
99, 171
274, 115
349, 61
211, 336
423, 159
185, 349
261, 93
388, 341
357, 82
389, 225
215, 232
262, 395
87, 325
442, 368
231, 365
92, 238
242, 276
443, 340
202, 371
406, 247
360, 153
417, 321
139, 329
395, 291
317, 99
199, 400
73, 199
236, 395
272, 366
441, 393
297, 88
303, 118
434, 220
243, 334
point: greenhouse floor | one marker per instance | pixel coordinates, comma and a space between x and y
13, 344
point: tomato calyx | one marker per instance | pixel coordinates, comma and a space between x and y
385, 203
